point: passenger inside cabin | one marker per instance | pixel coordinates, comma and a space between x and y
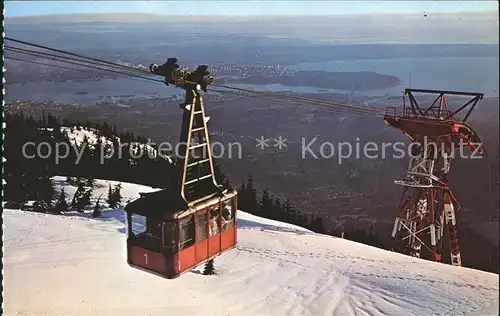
214, 227
227, 215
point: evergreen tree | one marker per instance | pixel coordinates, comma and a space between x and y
61, 204
372, 238
79, 181
111, 201
266, 204
278, 212
317, 225
117, 196
41, 206
250, 197
44, 189
80, 191
70, 180
242, 202
209, 268
16, 188
84, 201
221, 177
114, 196
242, 188
90, 182
97, 209
40, 184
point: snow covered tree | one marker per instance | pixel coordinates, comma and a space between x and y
209, 268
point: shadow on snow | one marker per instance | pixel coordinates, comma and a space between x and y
118, 215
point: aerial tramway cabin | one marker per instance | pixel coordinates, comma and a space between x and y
193, 220
168, 238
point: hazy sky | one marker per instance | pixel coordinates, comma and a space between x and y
276, 7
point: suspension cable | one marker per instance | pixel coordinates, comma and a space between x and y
320, 107
304, 103
44, 64
76, 55
59, 66
38, 52
354, 109
83, 65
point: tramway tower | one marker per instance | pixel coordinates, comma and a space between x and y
427, 210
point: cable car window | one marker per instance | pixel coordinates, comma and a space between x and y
153, 228
187, 232
201, 225
227, 214
146, 232
169, 237
138, 224
214, 221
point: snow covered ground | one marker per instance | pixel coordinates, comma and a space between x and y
76, 265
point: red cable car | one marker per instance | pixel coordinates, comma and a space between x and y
167, 237
193, 220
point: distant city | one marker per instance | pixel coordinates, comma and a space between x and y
244, 70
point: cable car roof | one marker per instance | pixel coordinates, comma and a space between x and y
162, 204
167, 204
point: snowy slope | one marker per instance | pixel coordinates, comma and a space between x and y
76, 265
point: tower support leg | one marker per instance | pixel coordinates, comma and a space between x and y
427, 210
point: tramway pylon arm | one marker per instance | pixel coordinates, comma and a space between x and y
440, 110
196, 169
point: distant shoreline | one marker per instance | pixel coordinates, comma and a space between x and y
354, 81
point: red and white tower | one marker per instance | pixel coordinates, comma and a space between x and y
427, 210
